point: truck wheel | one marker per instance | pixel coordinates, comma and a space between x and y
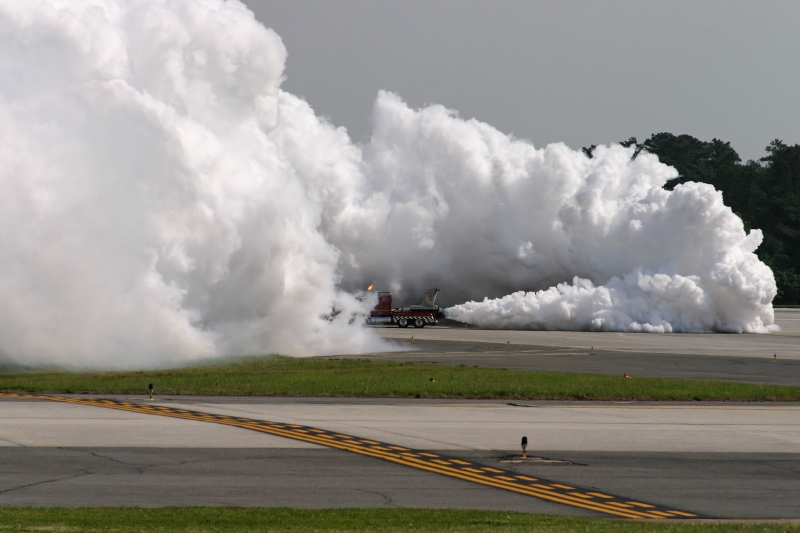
419, 323
403, 323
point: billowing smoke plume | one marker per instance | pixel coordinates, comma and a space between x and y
151, 209
163, 199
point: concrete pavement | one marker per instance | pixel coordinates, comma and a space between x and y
736, 461
742, 358
786, 343
424, 424
586, 426
723, 460
599, 361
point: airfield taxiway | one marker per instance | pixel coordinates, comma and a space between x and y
721, 460
727, 460
785, 343
752, 358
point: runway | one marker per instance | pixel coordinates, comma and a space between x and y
743, 358
784, 343
736, 461
710, 459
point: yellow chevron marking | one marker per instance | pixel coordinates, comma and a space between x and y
397, 454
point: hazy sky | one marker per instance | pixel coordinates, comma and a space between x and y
582, 72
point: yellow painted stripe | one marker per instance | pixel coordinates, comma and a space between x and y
640, 504
552, 496
385, 452
559, 498
487, 481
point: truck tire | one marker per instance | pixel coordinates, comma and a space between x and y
419, 323
402, 322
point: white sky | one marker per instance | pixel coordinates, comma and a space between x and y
582, 72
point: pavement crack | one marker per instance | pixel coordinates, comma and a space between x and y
94, 454
781, 467
82, 474
138, 468
388, 501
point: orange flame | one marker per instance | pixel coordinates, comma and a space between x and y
369, 288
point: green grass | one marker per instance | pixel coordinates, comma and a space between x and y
243, 519
284, 376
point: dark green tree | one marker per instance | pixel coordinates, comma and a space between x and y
764, 193
774, 206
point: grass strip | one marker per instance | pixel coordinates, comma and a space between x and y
244, 519
285, 376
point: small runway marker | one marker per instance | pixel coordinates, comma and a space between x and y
440, 464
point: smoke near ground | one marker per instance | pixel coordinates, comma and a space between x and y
164, 200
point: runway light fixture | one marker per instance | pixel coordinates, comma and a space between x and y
150, 388
524, 447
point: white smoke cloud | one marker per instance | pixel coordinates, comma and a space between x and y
150, 213
480, 214
163, 200
642, 303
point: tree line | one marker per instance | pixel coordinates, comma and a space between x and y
764, 193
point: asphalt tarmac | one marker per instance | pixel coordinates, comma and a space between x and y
707, 357
598, 361
264, 477
721, 485
720, 460
785, 343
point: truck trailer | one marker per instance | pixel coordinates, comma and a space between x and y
417, 315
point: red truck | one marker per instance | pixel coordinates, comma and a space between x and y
418, 315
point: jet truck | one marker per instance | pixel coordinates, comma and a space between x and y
417, 315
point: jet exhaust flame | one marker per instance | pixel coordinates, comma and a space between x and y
165, 200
